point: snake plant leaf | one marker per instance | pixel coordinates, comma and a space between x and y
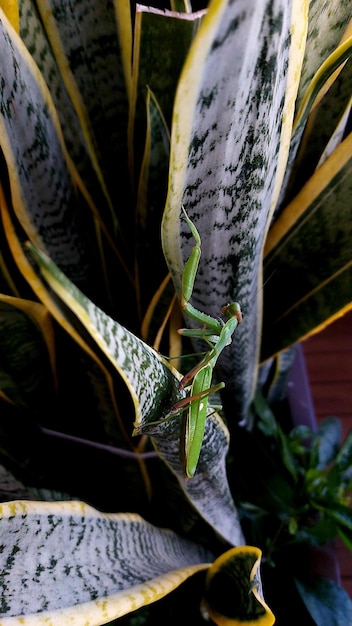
34, 36
208, 491
96, 371
124, 29
181, 6
231, 130
12, 489
318, 219
43, 180
152, 190
234, 594
326, 24
325, 129
161, 43
11, 10
341, 131
153, 385
325, 73
86, 48
151, 381
33, 279
75, 564
27, 361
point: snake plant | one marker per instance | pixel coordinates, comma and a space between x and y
114, 116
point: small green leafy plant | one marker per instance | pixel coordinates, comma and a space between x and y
299, 500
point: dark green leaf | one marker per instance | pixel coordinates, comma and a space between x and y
346, 537
326, 442
267, 422
338, 512
326, 601
344, 457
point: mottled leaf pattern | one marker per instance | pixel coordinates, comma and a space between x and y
26, 365
208, 490
236, 574
73, 564
318, 219
67, 94
161, 43
333, 64
154, 389
83, 36
151, 381
325, 129
32, 31
41, 175
326, 24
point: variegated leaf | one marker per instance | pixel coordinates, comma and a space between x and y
12, 489
27, 364
84, 39
325, 129
152, 190
153, 385
11, 10
236, 574
326, 24
208, 491
161, 43
314, 231
334, 63
32, 32
231, 130
68, 563
42, 178
150, 379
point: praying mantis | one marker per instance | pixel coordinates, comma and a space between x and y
217, 333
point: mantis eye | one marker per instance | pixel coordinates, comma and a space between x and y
232, 309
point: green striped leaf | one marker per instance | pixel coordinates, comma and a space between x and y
231, 130
326, 25
150, 379
86, 48
324, 73
208, 491
152, 190
153, 385
27, 364
314, 232
161, 43
34, 36
73, 563
43, 180
234, 594
325, 129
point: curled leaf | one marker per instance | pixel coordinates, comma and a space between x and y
234, 593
